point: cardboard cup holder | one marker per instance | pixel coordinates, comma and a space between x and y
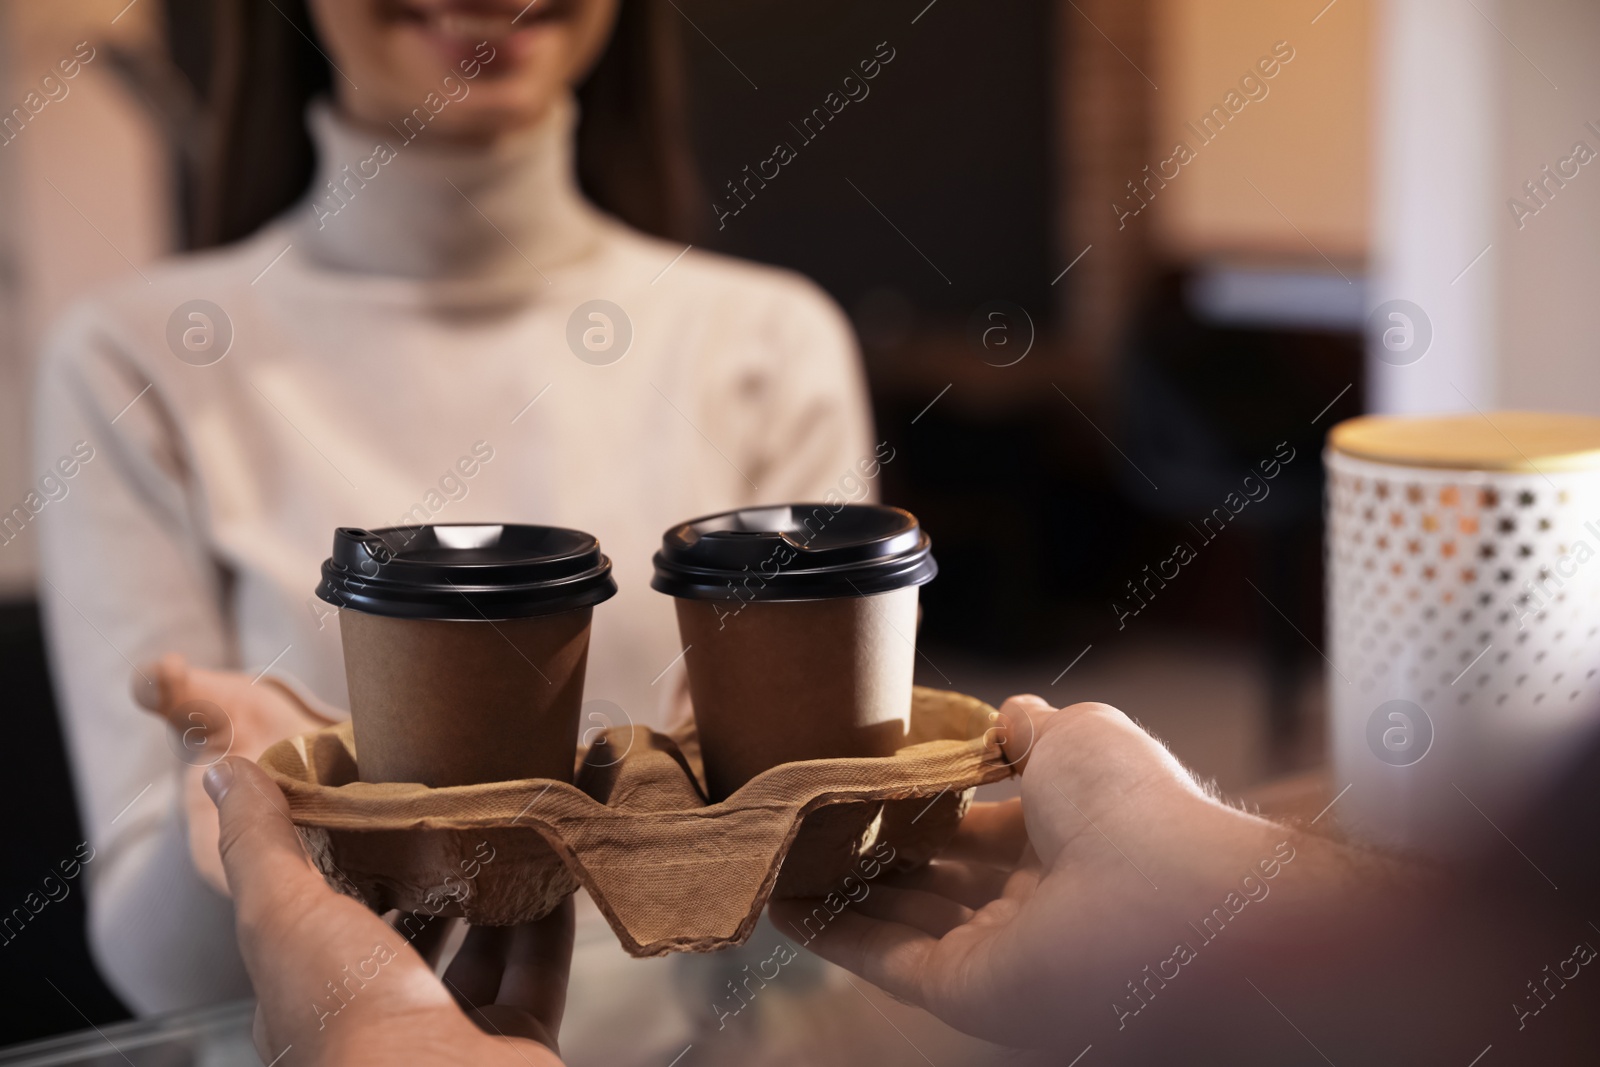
670, 871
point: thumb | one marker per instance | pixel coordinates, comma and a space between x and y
295, 933
160, 685
1021, 721
263, 857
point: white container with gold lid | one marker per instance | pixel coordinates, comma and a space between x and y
1463, 618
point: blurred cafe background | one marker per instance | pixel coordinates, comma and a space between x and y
1079, 339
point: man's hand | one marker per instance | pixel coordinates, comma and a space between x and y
1048, 912
341, 986
217, 713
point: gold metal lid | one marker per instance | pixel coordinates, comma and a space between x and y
1528, 441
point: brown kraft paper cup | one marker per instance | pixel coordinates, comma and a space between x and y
456, 703
798, 624
796, 680
465, 648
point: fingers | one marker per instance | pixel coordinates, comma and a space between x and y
502, 1021
167, 688
433, 938
888, 954
931, 913
970, 884
538, 964
513, 979
318, 713
991, 833
473, 977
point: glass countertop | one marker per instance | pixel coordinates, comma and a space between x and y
215, 1036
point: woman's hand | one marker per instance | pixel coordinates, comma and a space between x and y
1048, 912
340, 985
217, 713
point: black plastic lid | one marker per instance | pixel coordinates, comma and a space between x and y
794, 552
465, 573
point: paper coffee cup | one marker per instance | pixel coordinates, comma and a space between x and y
799, 628
465, 648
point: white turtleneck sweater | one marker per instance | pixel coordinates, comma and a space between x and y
374, 348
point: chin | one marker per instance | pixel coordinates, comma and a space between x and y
478, 118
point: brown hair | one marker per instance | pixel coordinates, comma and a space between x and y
232, 91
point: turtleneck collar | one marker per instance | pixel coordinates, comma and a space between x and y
405, 203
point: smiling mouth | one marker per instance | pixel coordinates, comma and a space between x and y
483, 20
